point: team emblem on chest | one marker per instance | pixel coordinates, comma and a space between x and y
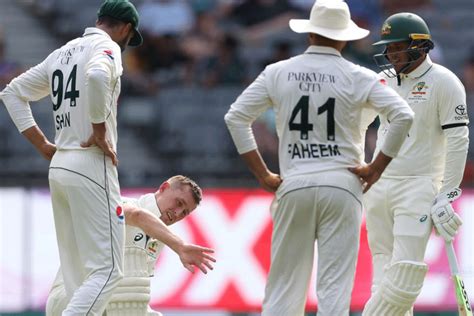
419, 92
152, 248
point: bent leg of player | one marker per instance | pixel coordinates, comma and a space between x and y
292, 254
410, 202
57, 298
337, 236
295, 229
132, 295
130, 298
379, 223
66, 239
92, 192
399, 289
411, 232
101, 251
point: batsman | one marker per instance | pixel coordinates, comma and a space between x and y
147, 219
415, 191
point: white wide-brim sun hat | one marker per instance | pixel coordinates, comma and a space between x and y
331, 19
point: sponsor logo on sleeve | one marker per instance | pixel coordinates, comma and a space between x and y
461, 112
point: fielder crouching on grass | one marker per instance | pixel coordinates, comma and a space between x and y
146, 234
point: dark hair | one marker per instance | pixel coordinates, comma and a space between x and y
183, 180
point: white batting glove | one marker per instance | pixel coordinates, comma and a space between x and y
444, 218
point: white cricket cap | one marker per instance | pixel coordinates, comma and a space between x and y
331, 19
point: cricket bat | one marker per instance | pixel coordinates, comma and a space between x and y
464, 307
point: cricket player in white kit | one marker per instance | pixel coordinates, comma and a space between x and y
82, 79
414, 190
146, 234
318, 98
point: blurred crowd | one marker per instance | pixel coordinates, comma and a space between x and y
8, 68
201, 42
216, 43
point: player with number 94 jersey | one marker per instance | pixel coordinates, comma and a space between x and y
82, 79
64, 75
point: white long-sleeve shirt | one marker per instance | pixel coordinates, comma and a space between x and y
135, 237
436, 145
323, 105
83, 81
141, 252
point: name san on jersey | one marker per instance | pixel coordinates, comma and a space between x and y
65, 95
63, 120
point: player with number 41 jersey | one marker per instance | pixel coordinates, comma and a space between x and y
321, 102
323, 105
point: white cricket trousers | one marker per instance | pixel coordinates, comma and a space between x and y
398, 221
330, 215
89, 228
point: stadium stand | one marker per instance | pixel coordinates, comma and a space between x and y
176, 123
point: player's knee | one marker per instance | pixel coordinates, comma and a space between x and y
57, 301
379, 243
404, 279
116, 276
398, 290
131, 298
111, 277
379, 263
409, 248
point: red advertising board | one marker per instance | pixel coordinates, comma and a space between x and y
237, 224
234, 222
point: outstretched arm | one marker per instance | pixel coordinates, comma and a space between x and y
189, 254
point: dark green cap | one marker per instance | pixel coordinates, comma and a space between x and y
402, 27
125, 11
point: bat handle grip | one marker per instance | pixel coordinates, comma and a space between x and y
453, 263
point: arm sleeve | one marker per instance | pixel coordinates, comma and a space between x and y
457, 145
245, 110
99, 81
390, 105
453, 118
32, 85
